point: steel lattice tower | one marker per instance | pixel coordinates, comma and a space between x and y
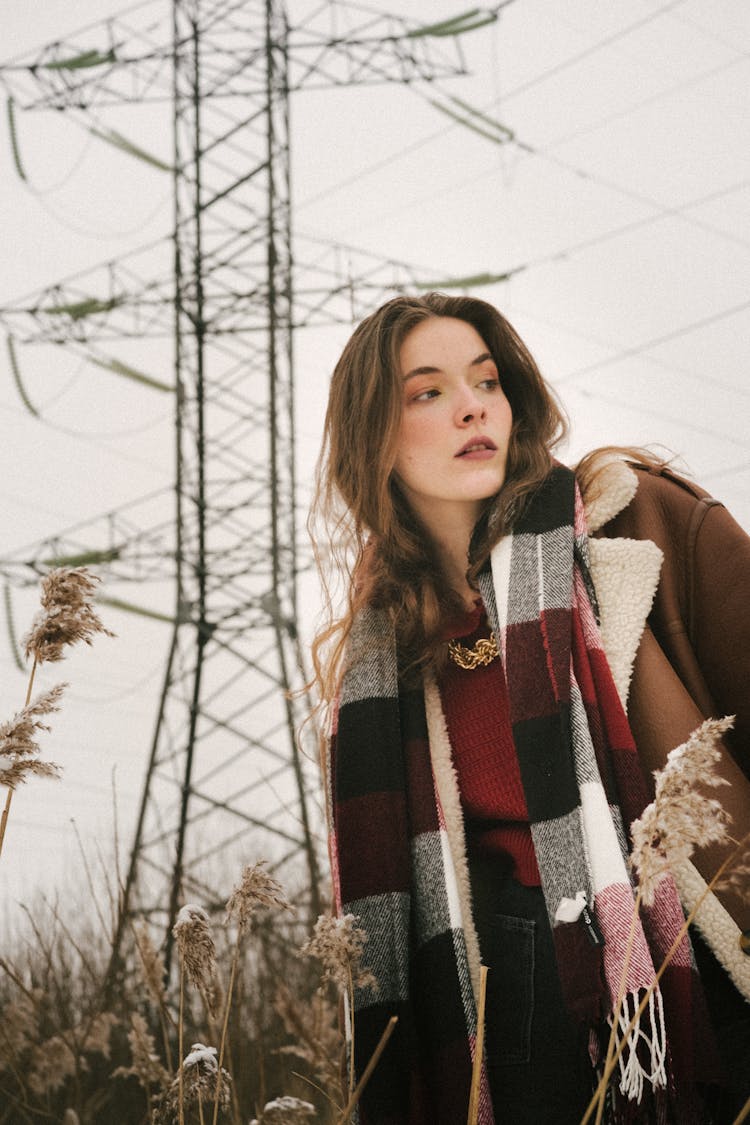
224, 764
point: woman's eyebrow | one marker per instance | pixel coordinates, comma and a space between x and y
421, 371
428, 370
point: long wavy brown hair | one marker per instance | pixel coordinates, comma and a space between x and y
375, 544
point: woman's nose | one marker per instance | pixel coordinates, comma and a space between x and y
470, 408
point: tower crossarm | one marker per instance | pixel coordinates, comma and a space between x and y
132, 544
128, 60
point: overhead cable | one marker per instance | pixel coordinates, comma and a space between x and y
646, 345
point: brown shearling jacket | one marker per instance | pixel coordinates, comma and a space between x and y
693, 659
700, 618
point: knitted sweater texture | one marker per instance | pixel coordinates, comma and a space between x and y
475, 704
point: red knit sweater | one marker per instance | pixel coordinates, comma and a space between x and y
475, 703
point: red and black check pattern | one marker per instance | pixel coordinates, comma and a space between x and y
582, 782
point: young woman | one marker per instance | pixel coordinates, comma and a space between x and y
513, 660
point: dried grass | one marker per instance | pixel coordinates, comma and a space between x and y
67, 616
256, 890
195, 945
681, 817
200, 1085
65, 1056
60, 1051
339, 945
19, 746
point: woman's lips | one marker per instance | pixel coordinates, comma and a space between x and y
481, 449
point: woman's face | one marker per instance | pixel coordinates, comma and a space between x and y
455, 425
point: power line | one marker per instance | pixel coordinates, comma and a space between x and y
659, 210
708, 32
670, 91
665, 365
593, 240
640, 408
638, 224
111, 451
407, 150
638, 349
587, 52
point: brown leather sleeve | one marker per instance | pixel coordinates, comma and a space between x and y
719, 621
694, 656
663, 714
701, 613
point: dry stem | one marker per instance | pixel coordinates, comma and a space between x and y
476, 1070
620, 994
743, 1114
152, 966
225, 1025
367, 1071
351, 1009
180, 1031
9, 798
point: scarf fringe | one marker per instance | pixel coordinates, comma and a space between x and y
644, 1057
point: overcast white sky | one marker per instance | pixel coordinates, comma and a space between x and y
624, 195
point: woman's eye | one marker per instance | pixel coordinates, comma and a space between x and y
491, 384
424, 396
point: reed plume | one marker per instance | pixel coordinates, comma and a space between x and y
338, 943
18, 740
197, 951
681, 817
256, 890
67, 617
195, 944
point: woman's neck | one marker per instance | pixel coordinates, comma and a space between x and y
452, 546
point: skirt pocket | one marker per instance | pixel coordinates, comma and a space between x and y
508, 952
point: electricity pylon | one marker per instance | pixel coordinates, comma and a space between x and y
224, 763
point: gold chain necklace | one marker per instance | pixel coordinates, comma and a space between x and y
483, 652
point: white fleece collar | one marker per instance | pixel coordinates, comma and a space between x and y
625, 571
612, 489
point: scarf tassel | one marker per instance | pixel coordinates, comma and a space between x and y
644, 1057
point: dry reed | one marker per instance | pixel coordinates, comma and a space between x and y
60, 1051
256, 890
67, 617
195, 945
18, 741
476, 1069
200, 1083
339, 946
681, 818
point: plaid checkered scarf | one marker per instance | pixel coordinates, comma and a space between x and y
398, 866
